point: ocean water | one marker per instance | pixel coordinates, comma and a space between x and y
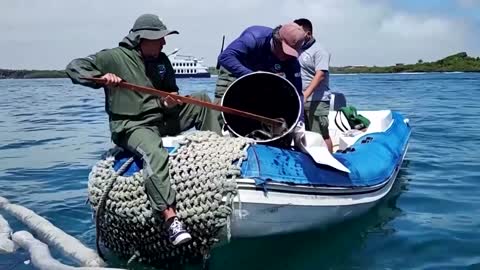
52, 132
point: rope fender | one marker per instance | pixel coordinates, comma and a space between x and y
202, 171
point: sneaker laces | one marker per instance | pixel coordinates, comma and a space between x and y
176, 227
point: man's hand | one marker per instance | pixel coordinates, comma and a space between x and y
111, 79
171, 101
319, 76
299, 135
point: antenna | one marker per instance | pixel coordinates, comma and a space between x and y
174, 51
223, 43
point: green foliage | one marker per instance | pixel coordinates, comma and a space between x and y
456, 62
31, 74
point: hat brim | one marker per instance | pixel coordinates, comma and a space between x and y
152, 34
289, 50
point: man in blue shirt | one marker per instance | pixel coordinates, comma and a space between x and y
261, 48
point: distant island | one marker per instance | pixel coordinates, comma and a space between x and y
31, 74
459, 62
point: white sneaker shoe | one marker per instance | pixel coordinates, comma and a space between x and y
177, 234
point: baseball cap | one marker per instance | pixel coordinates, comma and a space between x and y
293, 37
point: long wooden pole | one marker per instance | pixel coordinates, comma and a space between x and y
190, 100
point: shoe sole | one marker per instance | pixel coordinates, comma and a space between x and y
182, 239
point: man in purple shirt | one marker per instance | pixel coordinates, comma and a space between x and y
261, 48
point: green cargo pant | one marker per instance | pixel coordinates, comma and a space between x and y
317, 117
145, 141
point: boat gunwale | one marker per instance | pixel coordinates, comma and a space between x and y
249, 184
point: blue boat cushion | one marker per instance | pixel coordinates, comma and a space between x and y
371, 162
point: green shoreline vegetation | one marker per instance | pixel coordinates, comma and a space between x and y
459, 62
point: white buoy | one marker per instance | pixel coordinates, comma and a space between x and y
40, 256
53, 236
6, 244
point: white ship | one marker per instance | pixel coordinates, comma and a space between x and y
187, 66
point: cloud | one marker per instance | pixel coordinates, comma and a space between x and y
49, 33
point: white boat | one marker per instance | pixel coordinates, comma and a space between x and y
322, 197
282, 190
187, 66
278, 198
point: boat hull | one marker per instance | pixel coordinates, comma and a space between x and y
193, 75
274, 213
283, 191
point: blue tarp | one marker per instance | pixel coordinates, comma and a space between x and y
371, 162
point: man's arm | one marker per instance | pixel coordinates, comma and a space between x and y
170, 85
293, 75
82, 68
321, 60
232, 57
319, 76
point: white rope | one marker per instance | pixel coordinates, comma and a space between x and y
202, 171
103, 200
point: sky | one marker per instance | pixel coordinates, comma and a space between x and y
48, 34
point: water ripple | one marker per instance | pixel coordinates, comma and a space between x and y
53, 132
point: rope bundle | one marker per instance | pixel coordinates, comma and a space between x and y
202, 171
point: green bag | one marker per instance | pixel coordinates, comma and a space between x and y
355, 120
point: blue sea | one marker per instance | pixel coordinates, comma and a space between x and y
52, 132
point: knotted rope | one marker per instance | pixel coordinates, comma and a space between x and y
103, 201
202, 171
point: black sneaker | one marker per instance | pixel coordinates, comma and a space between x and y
177, 234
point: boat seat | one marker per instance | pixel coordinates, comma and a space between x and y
379, 122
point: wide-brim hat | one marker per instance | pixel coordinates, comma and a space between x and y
149, 26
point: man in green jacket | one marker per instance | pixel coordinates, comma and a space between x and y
138, 120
